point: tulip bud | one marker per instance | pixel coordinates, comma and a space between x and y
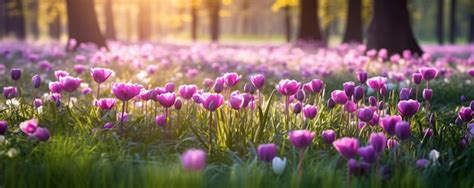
328, 136
36, 80
297, 107
160, 120
3, 127
278, 165
427, 94
15, 74
300, 95
358, 93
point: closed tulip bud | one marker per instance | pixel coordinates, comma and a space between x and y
194, 160
365, 114
428, 73
278, 165
160, 120
108, 125
368, 154
86, 91
416, 78
388, 123
219, 85
3, 127
328, 136
422, 163
339, 97
374, 120
465, 114
427, 94
236, 101
300, 95
331, 103
372, 101
37, 103
257, 80
408, 108
249, 88
197, 98
231, 79
301, 138
471, 105
358, 93
376, 83
362, 76
310, 111
297, 107
123, 118
349, 88
383, 90
428, 132
15, 74
378, 141
402, 130
166, 99
187, 91
207, 82
42, 134
170, 87
392, 143
266, 152
178, 104
405, 93
463, 98
458, 121
347, 147
101, 75
36, 80
317, 85
432, 119
10, 92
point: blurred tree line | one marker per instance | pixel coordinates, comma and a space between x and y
434, 21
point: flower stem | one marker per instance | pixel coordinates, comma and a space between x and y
121, 117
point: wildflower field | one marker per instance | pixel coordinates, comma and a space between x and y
209, 115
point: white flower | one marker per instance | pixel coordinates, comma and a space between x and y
13, 102
278, 165
434, 156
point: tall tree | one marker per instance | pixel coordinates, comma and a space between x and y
3, 15
354, 22
287, 13
440, 21
194, 19
15, 19
214, 7
144, 20
109, 20
33, 6
309, 23
54, 27
82, 23
390, 28
470, 35
452, 22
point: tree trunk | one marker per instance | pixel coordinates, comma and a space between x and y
109, 20
33, 17
144, 20
214, 8
82, 23
452, 22
354, 22
15, 19
470, 36
3, 15
287, 24
390, 28
440, 21
194, 20
55, 27
309, 22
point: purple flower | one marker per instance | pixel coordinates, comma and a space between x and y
339, 96
358, 93
231, 79
362, 76
108, 125
257, 80
249, 88
207, 82
392, 143
405, 93
422, 163
301, 138
125, 92
408, 108
178, 104
310, 111
41, 133
166, 99
55, 87
297, 107
471, 105
365, 114
187, 91
465, 114
86, 91
288, 87
300, 95
211, 102
427, 94
266, 152
60, 73
470, 72
372, 101
388, 123
350, 106
170, 87
368, 153
10, 92
402, 130
101, 75
219, 84
15, 74
69, 83
106, 103
349, 88
428, 73
378, 141
29, 127
123, 118
160, 120
416, 78
330, 103
193, 160
236, 101
3, 127
328, 136
376, 83
36, 80
428, 132
347, 147
317, 85
79, 68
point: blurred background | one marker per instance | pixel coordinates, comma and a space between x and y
432, 21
